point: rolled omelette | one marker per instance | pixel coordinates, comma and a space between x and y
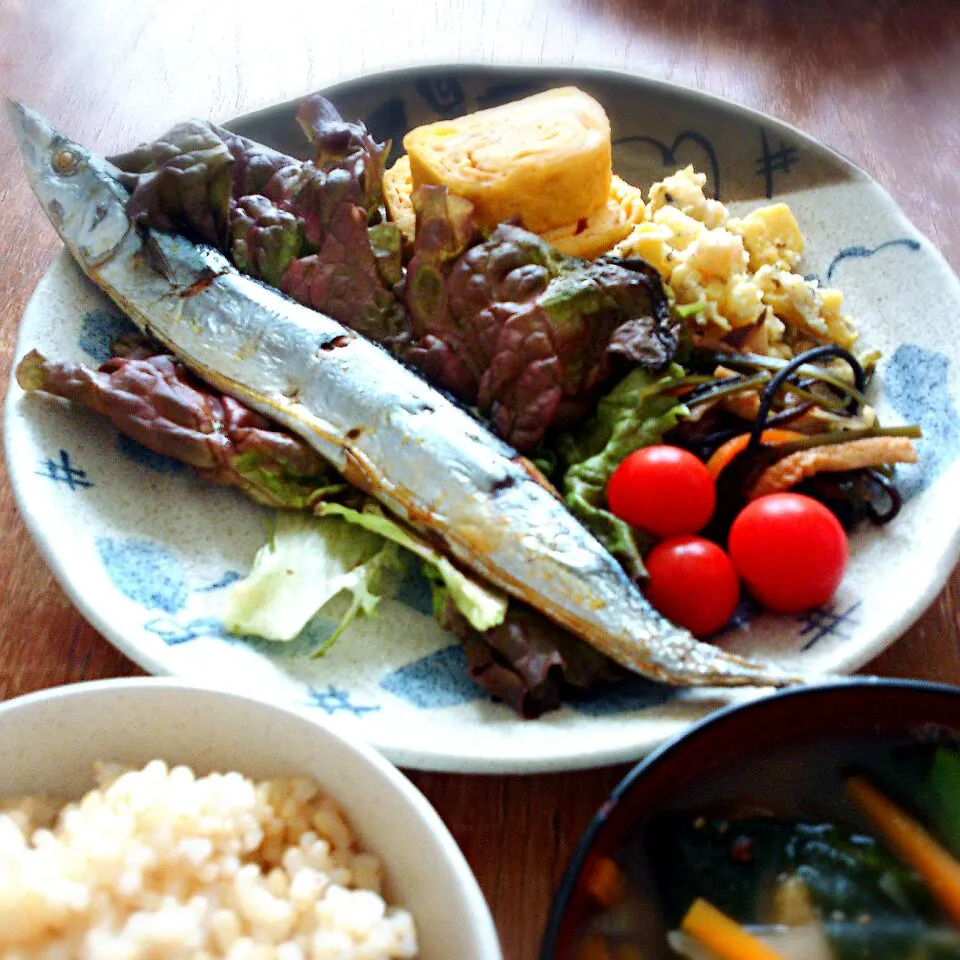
587, 238
545, 158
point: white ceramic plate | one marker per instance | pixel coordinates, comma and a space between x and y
144, 548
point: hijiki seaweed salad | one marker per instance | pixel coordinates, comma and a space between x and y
653, 362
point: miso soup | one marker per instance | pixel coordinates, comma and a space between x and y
779, 845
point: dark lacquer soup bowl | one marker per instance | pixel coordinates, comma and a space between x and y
773, 821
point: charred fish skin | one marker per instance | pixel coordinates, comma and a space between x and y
386, 430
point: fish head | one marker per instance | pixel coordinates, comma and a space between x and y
78, 190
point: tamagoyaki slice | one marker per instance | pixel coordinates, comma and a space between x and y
546, 158
586, 238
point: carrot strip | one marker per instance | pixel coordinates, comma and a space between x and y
604, 882
912, 843
723, 935
721, 457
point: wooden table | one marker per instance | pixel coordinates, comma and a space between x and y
878, 80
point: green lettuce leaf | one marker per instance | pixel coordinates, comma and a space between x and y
636, 413
482, 605
309, 562
944, 789
313, 561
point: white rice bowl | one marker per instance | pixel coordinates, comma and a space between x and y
219, 826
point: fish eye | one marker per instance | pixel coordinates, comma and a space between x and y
66, 162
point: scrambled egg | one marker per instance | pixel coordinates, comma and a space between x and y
736, 274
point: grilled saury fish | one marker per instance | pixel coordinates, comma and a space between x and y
387, 431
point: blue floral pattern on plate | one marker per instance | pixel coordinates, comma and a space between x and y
916, 383
438, 680
63, 470
144, 572
98, 330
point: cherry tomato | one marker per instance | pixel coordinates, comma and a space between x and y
790, 551
693, 583
663, 490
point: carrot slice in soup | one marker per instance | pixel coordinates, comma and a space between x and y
912, 843
604, 882
723, 935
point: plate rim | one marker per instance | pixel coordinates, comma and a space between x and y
592, 71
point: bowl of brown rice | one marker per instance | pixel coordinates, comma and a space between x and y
154, 818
